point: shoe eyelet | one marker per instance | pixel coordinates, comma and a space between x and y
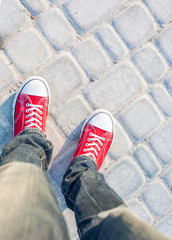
101, 144
27, 104
84, 150
90, 134
86, 144
104, 139
27, 110
26, 122
41, 106
41, 112
88, 139
26, 116
41, 124
40, 118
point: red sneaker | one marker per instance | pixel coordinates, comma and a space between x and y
30, 106
96, 136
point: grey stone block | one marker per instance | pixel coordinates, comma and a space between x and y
162, 10
70, 117
150, 63
125, 178
134, 25
86, 14
12, 17
163, 41
56, 29
91, 57
161, 143
27, 50
141, 118
157, 199
115, 88
146, 160
111, 42
162, 99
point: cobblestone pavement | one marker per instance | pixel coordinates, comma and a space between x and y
112, 54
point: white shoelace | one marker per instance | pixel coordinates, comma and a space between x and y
35, 112
93, 144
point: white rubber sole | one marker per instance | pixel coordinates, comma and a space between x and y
94, 113
22, 86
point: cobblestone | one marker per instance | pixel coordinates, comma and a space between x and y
8, 76
165, 225
150, 63
137, 207
111, 42
23, 48
141, 118
85, 14
161, 143
168, 177
56, 29
115, 55
134, 25
116, 88
92, 58
121, 144
146, 160
125, 178
168, 82
64, 78
162, 10
70, 117
163, 41
14, 17
162, 99
157, 199
35, 7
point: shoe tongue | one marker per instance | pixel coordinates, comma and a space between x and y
96, 130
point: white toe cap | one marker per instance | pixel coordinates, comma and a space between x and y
102, 121
36, 87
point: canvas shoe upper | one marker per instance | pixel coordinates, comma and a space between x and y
30, 106
96, 136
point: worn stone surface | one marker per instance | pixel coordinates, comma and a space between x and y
161, 143
27, 50
146, 160
71, 115
150, 63
141, 118
35, 7
56, 29
134, 25
111, 42
163, 41
115, 55
125, 177
162, 10
91, 57
12, 17
163, 99
116, 88
157, 198
85, 15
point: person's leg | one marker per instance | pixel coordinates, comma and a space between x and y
28, 205
100, 213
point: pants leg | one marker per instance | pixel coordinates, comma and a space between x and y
100, 213
28, 205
